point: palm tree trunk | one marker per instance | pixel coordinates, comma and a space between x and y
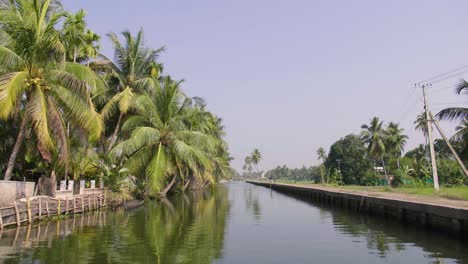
74, 55
168, 187
16, 149
116, 131
385, 171
398, 162
186, 185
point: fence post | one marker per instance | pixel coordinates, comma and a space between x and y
28, 205
66, 205
1, 220
82, 204
89, 203
40, 207
59, 209
74, 206
18, 220
47, 207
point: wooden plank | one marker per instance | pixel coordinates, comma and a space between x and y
18, 220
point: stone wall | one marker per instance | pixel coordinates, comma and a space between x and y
11, 191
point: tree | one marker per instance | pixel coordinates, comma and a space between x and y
456, 113
256, 157
248, 163
130, 73
322, 156
353, 155
374, 137
395, 141
37, 85
160, 146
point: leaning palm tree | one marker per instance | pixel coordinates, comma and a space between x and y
131, 72
160, 146
373, 136
256, 157
395, 141
37, 85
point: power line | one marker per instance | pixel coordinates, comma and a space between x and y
443, 74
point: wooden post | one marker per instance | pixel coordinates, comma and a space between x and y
104, 199
47, 207
89, 203
59, 209
74, 206
40, 207
28, 205
18, 220
82, 205
1, 220
66, 205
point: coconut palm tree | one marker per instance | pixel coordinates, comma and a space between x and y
256, 157
160, 146
322, 156
37, 85
73, 34
374, 137
395, 141
461, 135
133, 71
456, 113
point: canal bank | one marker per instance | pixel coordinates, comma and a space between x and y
438, 214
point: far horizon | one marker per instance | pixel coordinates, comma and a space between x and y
290, 77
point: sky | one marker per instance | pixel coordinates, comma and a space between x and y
288, 77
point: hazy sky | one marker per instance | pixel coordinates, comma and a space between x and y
291, 76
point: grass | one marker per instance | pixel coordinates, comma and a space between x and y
452, 192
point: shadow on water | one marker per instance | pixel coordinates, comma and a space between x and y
384, 235
187, 228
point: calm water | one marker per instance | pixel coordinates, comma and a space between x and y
233, 223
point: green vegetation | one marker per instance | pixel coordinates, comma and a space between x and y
253, 159
67, 110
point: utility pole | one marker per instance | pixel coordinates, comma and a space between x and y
431, 141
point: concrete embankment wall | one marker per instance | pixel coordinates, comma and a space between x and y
11, 191
447, 219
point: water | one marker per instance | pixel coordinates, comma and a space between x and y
233, 223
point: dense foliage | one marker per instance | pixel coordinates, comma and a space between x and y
67, 110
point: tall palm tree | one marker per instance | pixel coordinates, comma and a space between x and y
73, 34
131, 72
395, 140
256, 157
160, 145
37, 85
322, 156
373, 136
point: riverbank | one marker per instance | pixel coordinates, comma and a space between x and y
452, 193
446, 215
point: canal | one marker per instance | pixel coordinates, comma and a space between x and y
232, 223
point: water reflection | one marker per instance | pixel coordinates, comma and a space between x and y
158, 233
252, 203
233, 223
386, 236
